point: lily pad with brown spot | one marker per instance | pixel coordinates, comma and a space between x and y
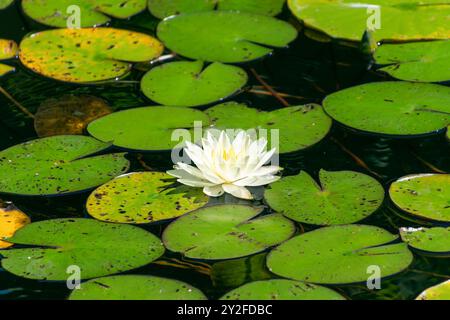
87, 55
11, 220
8, 50
428, 240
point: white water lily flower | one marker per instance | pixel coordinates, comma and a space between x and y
227, 166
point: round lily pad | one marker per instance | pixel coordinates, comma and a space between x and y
224, 36
424, 195
392, 108
97, 248
11, 220
434, 240
165, 8
192, 84
390, 20
8, 50
280, 289
86, 55
299, 127
438, 292
226, 232
131, 287
146, 129
342, 197
58, 165
426, 61
92, 12
143, 197
339, 255
5, 3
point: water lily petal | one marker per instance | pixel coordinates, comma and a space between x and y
215, 191
196, 183
237, 191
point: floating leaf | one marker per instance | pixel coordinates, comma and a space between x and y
86, 55
226, 232
130, 287
434, 240
339, 254
417, 61
8, 50
349, 19
146, 129
57, 166
224, 36
299, 127
92, 12
97, 248
11, 220
424, 195
392, 108
68, 114
165, 8
143, 197
5, 3
341, 197
192, 84
279, 289
438, 292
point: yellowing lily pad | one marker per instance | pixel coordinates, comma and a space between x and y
87, 55
432, 240
143, 197
438, 292
11, 220
8, 50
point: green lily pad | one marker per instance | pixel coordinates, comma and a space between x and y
226, 232
5, 3
279, 289
417, 61
299, 127
224, 36
349, 19
87, 55
165, 8
143, 197
435, 240
192, 84
392, 108
58, 165
97, 248
131, 287
438, 292
424, 195
146, 129
8, 50
342, 197
339, 255
92, 12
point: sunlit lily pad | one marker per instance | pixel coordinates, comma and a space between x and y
299, 127
146, 129
392, 108
427, 61
423, 195
131, 287
5, 3
341, 197
434, 240
143, 197
398, 20
58, 165
188, 84
92, 12
226, 232
166, 8
8, 50
11, 220
86, 55
224, 36
68, 114
339, 254
438, 292
280, 289
97, 248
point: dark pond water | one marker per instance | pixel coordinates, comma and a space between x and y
309, 70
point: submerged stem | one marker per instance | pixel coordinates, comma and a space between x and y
16, 103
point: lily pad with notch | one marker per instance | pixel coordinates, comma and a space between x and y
143, 197
428, 240
57, 166
191, 84
97, 248
341, 197
226, 232
339, 255
8, 50
224, 36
